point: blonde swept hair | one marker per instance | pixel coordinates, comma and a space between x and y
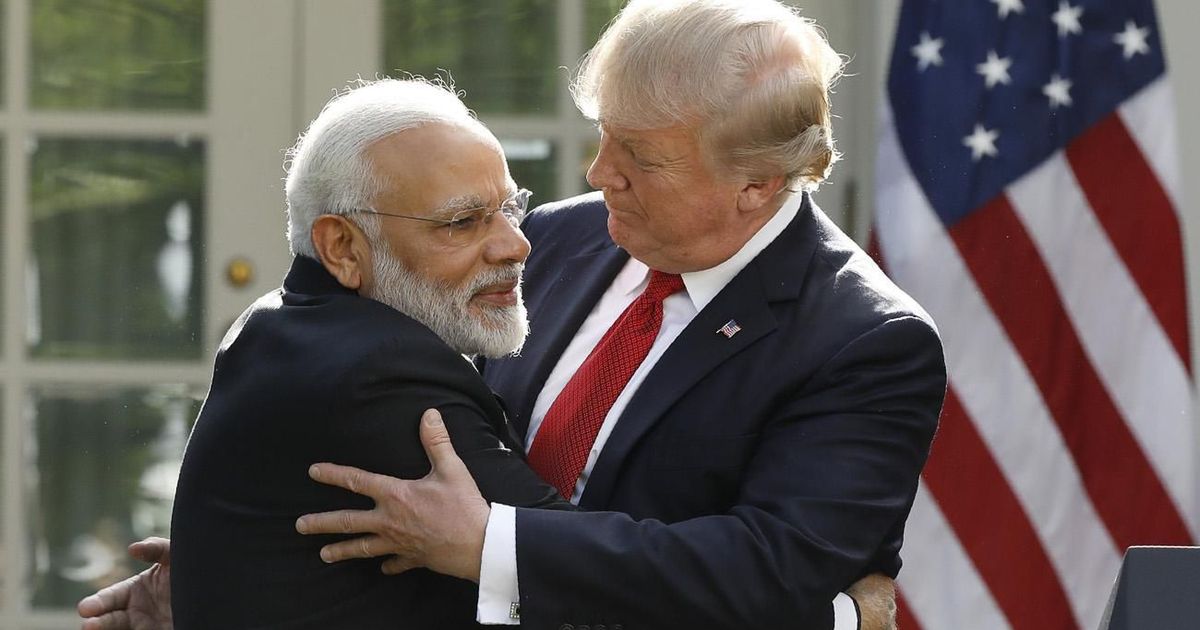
752, 77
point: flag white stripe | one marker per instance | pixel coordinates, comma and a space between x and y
940, 584
1150, 118
995, 387
1120, 334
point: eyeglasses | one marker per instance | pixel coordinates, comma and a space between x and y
468, 226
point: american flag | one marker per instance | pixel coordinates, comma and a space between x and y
1028, 196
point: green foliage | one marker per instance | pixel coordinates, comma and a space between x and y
100, 210
503, 53
598, 14
94, 448
118, 54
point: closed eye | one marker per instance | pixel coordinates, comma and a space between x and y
466, 218
645, 165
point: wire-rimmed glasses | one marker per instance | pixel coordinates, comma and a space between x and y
469, 225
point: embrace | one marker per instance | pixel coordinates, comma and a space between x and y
713, 414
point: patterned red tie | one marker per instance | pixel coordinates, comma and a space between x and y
560, 449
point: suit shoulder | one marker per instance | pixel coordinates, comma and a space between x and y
854, 283
587, 203
339, 332
375, 330
580, 221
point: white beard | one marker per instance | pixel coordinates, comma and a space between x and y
491, 331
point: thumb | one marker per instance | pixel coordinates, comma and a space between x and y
152, 549
396, 565
436, 441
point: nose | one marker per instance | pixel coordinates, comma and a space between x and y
506, 243
603, 173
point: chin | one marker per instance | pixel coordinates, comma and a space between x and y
618, 231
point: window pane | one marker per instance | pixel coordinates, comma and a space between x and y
3, 51
4, 557
118, 54
532, 165
599, 14
3, 211
101, 471
503, 53
117, 240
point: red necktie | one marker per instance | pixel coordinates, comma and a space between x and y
560, 449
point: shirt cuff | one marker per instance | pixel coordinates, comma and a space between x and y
499, 596
845, 612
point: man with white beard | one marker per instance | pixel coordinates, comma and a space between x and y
403, 221
395, 194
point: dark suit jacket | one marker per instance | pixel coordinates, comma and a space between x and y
751, 477
309, 373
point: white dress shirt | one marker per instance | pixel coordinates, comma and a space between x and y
498, 588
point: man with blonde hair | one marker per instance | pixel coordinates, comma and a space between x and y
724, 378
731, 387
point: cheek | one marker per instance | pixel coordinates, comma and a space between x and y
454, 268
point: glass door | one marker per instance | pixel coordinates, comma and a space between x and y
142, 206
512, 60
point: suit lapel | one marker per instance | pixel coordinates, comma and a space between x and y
775, 275
697, 351
556, 318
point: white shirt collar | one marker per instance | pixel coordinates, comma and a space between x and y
704, 285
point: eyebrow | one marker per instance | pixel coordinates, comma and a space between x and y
625, 141
469, 202
634, 144
637, 145
463, 202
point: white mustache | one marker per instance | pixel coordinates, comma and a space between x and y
497, 275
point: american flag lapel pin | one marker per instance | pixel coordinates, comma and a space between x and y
730, 329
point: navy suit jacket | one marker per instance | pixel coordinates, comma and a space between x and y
751, 477
310, 373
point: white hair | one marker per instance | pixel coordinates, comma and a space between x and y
328, 171
752, 77
493, 332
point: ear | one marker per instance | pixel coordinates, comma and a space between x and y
343, 249
756, 195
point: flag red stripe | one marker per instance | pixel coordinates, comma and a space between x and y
991, 525
1123, 486
1132, 205
904, 617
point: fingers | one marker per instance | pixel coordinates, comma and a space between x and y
353, 479
107, 599
436, 441
873, 585
876, 597
112, 621
362, 547
397, 565
338, 522
152, 549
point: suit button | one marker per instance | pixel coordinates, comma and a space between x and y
566, 626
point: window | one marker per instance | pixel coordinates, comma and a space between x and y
511, 58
